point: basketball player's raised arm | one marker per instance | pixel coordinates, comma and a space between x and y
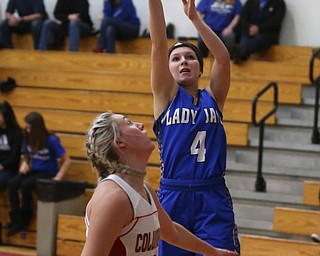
163, 85
220, 72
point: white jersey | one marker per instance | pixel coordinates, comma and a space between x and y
141, 237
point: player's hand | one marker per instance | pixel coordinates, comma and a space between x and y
189, 8
222, 252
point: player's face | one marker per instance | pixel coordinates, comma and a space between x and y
133, 134
184, 65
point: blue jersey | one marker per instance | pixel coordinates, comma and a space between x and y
46, 159
194, 138
125, 11
218, 15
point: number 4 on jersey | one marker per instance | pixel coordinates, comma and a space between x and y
198, 146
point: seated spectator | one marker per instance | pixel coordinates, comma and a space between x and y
10, 144
41, 152
259, 28
71, 18
221, 16
31, 14
119, 22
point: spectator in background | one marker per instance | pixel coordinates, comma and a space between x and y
31, 14
72, 19
10, 144
221, 16
259, 28
41, 151
120, 21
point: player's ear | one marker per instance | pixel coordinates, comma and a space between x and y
120, 143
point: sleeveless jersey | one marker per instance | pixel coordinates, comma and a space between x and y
141, 237
194, 138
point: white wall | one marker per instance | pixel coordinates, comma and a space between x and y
301, 25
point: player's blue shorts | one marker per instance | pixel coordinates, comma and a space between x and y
204, 207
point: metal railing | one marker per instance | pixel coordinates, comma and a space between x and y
260, 184
315, 138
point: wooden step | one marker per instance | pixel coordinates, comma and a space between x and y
311, 194
71, 232
124, 103
245, 90
78, 122
131, 64
267, 246
276, 53
296, 221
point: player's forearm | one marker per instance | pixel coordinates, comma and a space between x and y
212, 41
186, 240
157, 22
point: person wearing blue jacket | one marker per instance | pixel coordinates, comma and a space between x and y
221, 16
120, 21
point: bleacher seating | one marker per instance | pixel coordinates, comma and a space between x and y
296, 221
70, 89
268, 246
70, 235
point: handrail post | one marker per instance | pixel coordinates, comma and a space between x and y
315, 138
260, 185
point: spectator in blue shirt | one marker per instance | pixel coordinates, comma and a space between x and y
72, 19
29, 18
221, 16
41, 152
120, 21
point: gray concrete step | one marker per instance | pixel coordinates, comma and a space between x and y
280, 158
289, 158
234, 167
284, 137
290, 189
308, 95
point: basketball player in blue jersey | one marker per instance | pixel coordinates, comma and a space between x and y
124, 216
190, 133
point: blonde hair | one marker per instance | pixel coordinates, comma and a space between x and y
102, 150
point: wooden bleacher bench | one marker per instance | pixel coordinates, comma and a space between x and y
87, 44
70, 89
71, 233
142, 46
118, 64
285, 53
311, 193
296, 221
26, 238
129, 103
252, 245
